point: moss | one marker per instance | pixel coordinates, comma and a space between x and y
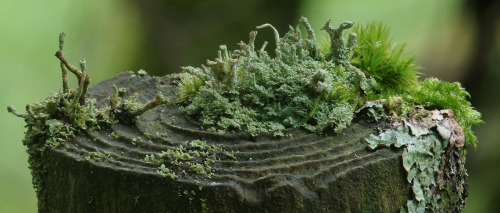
318, 88
382, 59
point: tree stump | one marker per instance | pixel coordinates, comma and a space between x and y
105, 171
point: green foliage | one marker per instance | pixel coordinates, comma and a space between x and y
384, 60
189, 86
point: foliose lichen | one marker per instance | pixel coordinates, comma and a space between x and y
433, 156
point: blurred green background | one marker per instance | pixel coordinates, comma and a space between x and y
455, 40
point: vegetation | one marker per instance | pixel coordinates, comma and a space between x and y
194, 157
318, 88
382, 59
61, 116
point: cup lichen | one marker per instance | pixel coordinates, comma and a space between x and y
314, 87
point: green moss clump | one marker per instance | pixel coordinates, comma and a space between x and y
434, 93
315, 87
385, 61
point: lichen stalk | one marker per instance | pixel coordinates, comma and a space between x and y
262, 49
159, 100
276, 34
14, 111
62, 58
253, 34
338, 52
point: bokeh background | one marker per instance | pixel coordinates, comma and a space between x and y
455, 40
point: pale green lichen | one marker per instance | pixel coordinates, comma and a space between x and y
97, 156
319, 88
248, 90
424, 160
421, 159
195, 157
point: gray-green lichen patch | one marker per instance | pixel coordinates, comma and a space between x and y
248, 90
316, 87
426, 136
192, 157
97, 156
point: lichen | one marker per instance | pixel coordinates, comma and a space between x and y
193, 157
426, 143
249, 90
319, 88
97, 156
60, 117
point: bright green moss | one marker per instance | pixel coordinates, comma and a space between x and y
383, 59
444, 95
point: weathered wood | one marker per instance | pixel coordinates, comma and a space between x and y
306, 172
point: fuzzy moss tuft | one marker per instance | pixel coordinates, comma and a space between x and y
434, 93
383, 59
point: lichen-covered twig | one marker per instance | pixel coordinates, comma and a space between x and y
65, 63
63, 67
79, 98
253, 34
159, 100
14, 111
85, 85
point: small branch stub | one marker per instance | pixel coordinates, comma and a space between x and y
159, 100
